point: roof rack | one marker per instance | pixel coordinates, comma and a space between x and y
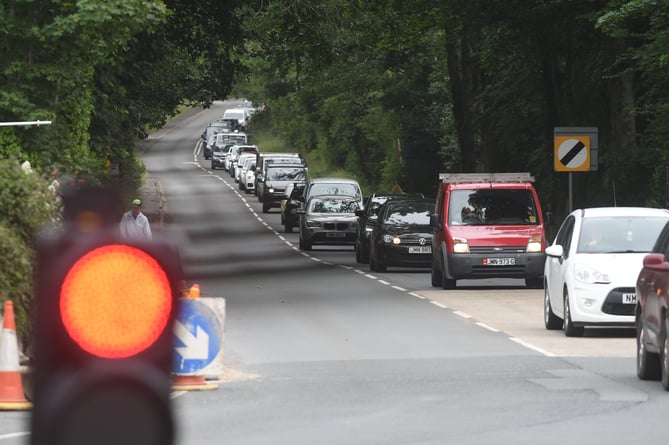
485, 177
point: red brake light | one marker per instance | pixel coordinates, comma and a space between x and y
115, 301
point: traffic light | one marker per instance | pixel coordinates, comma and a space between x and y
104, 330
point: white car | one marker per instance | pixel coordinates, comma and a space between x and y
250, 175
592, 266
240, 164
246, 163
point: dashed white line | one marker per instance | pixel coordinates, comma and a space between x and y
532, 347
485, 326
414, 294
436, 303
401, 289
462, 314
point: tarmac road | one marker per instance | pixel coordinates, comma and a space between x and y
519, 314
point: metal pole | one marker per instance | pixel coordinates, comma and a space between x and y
571, 199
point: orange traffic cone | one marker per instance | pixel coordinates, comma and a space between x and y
12, 396
191, 383
194, 291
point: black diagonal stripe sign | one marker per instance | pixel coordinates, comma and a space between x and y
572, 153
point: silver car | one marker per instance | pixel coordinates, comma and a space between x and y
328, 220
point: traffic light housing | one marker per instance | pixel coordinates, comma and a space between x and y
104, 336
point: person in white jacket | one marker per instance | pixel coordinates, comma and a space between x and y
134, 224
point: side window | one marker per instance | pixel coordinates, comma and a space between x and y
564, 235
662, 243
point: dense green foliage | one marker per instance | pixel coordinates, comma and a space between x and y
103, 73
399, 90
28, 201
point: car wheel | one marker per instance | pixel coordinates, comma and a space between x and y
664, 355
647, 363
364, 255
288, 228
436, 276
304, 244
380, 264
568, 325
213, 167
265, 207
551, 321
358, 257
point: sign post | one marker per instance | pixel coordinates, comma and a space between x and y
575, 150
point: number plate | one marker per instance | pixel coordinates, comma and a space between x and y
499, 261
629, 298
335, 235
420, 249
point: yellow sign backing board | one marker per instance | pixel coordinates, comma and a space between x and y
572, 153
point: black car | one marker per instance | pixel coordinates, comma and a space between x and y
273, 185
215, 127
402, 235
367, 217
366, 221
294, 200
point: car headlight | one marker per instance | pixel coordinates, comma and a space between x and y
460, 245
590, 275
270, 190
313, 223
389, 239
534, 244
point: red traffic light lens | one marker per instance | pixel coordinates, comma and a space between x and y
115, 301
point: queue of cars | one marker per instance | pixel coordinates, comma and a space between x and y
607, 266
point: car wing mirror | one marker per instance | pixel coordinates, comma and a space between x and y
655, 261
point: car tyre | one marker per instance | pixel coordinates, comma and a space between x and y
569, 329
265, 207
361, 254
551, 321
304, 244
647, 363
436, 276
379, 264
664, 355
213, 167
288, 228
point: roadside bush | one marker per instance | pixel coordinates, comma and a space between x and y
28, 202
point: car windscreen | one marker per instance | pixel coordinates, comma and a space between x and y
408, 213
285, 173
619, 234
333, 205
328, 188
492, 207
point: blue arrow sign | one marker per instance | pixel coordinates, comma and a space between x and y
198, 333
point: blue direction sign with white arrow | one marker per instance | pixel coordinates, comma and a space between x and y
198, 331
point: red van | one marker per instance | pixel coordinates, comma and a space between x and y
487, 225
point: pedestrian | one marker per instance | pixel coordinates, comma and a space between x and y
134, 224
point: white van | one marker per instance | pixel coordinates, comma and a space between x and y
241, 115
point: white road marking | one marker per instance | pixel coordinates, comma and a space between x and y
462, 314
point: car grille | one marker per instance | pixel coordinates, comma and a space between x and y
613, 304
500, 271
335, 226
497, 249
